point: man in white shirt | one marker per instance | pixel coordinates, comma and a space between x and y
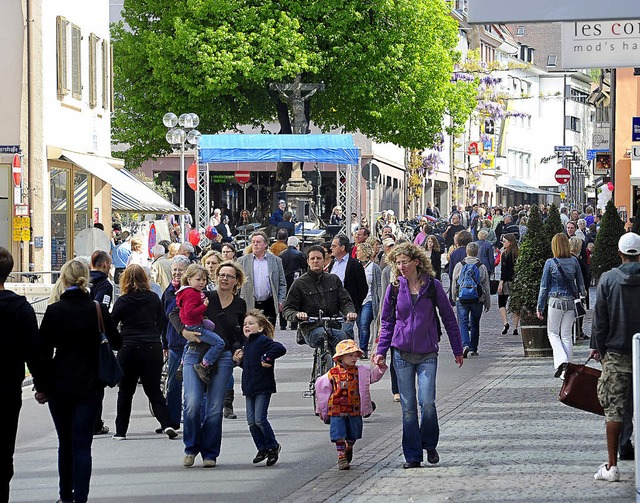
265, 286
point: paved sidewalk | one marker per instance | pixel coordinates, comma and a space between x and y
503, 437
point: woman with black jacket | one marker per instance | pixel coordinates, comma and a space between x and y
203, 425
70, 338
140, 313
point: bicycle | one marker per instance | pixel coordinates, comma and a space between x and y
322, 355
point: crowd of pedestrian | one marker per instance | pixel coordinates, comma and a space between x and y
197, 313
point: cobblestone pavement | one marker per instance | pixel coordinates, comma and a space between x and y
504, 437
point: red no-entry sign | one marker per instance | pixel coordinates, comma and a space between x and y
563, 175
243, 176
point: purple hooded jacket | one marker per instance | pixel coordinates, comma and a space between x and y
412, 328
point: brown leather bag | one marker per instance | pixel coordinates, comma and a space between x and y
579, 388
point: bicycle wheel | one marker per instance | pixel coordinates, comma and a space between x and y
316, 371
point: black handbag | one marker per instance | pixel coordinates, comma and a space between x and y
109, 370
579, 388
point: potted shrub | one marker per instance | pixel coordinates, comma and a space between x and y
534, 250
605, 254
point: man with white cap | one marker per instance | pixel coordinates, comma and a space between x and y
294, 264
616, 318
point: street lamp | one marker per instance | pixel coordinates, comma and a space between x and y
182, 129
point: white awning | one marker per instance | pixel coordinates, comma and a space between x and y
507, 182
128, 194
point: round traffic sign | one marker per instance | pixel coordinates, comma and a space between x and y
370, 172
243, 176
563, 175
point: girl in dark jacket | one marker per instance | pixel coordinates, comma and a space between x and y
70, 337
258, 381
142, 319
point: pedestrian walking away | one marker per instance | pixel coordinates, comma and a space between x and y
70, 338
616, 318
561, 279
257, 359
343, 398
410, 326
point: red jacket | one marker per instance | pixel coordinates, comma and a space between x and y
191, 304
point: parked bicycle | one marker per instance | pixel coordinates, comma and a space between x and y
322, 355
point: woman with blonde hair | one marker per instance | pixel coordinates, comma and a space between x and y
70, 338
561, 279
210, 261
140, 314
173, 250
136, 256
410, 326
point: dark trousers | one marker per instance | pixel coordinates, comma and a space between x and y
140, 361
394, 376
268, 309
97, 428
12, 411
74, 419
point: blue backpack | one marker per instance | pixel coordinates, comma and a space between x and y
469, 286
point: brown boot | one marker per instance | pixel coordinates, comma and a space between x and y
228, 405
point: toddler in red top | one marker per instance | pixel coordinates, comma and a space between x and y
343, 398
193, 303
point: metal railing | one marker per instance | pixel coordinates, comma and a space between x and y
39, 306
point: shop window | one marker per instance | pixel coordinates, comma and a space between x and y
59, 221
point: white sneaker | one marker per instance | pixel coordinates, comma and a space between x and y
608, 474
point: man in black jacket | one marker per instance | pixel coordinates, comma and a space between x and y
294, 264
20, 341
317, 291
102, 292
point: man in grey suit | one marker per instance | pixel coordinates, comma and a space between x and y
265, 286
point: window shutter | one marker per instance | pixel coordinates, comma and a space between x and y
105, 75
61, 56
76, 75
93, 71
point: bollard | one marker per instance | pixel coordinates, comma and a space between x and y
636, 406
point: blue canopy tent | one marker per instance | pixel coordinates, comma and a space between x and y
332, 148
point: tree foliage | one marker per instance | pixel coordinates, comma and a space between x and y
605, 254
386, 66
533, 253
552, 225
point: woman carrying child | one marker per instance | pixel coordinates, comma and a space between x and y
193, 304
343, 398
258, 381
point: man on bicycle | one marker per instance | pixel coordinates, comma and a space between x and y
316, 291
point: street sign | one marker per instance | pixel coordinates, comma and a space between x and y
635, 129
563, 148
9, 149
563, 175
370, 172
192, 176
242, 177
17, 170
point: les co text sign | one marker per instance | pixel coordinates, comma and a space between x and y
601, 44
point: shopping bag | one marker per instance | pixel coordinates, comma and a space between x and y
579, 388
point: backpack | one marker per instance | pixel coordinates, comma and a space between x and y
470, 289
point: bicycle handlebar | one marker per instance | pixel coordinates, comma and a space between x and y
314, 319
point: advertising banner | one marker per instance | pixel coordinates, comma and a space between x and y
601, 44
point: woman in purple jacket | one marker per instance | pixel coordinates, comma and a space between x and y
410, 325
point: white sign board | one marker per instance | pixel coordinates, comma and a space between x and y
635, 153
510, 11
601, 44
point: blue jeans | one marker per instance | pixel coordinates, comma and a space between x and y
203, 431
174, 387
259, 427
469, 321
345, 428
364, 325
74, 419
422, 434
315, 337
211, 338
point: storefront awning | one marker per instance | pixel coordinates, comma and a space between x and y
507, 182
128, 194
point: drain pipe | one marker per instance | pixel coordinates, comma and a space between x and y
30, 133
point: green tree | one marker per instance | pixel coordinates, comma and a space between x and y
552, 226
386, 67
533, 253
605, 254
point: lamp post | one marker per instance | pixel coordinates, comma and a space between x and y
182, 129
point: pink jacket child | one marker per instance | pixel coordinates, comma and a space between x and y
343, 398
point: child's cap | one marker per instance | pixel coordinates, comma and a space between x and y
346, 347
